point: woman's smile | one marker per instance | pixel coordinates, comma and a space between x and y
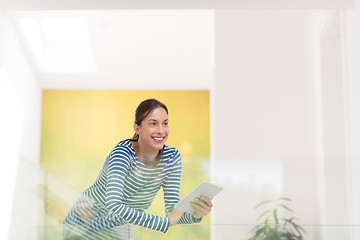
158, 139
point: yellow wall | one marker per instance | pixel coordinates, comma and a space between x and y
80, 128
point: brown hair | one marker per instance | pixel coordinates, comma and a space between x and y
142, 111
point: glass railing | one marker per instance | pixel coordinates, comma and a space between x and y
42, 201
217, 232
244, 232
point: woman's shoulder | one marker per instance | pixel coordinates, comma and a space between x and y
123, 148
120, 155
170, 152
168, 148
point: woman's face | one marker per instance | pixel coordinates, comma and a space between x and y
154, 129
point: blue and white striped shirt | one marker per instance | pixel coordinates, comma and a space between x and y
126, 187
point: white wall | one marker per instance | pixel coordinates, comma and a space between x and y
339, 201
21, 123
354, 112
286, 116
266, 105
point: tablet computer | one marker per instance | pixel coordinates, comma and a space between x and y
205, 189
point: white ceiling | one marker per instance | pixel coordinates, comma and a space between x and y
124, 49
146, 48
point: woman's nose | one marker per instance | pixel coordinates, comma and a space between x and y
160, 128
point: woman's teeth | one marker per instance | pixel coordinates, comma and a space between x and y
158, 139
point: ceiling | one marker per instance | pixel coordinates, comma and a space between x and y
123, 44
119, 49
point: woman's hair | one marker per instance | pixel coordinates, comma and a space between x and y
142, 111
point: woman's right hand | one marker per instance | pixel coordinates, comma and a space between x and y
86, 214
175, 216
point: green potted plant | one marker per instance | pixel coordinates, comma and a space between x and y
271, 227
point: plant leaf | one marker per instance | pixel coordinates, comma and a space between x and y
259, 233
285, 198
275, 228
303, 230
287, 208
297, 228
297, 231
275, 217
263, 214
262, 203
285, 222
257, 227
295, 225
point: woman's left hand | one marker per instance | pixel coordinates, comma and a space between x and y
202, 206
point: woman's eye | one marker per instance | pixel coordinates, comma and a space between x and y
166, 124
152, 124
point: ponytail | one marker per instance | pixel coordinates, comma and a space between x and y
135, 138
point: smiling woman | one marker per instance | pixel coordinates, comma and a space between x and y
153, 130
132, 174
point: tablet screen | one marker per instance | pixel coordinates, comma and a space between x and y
205, 189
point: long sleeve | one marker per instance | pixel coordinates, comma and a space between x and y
117, 169
172, 191
105, 222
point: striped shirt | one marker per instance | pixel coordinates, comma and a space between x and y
125, 188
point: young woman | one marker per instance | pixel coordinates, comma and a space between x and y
131, 176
